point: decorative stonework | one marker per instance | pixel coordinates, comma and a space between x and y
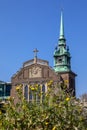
38, 61
35, 72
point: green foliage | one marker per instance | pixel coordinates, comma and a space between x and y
57, 111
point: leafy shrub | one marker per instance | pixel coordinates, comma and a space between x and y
57, 111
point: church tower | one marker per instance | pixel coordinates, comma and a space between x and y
62, 59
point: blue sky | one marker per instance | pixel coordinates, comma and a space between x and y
29, 24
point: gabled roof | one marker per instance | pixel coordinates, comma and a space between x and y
39, 61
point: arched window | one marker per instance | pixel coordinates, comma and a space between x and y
37, 95
26, 92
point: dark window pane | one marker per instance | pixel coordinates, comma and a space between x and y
26, 92
30, 95
7, 90
43, 88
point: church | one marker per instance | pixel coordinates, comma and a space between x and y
38, 70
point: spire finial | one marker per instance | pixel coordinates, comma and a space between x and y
61, 26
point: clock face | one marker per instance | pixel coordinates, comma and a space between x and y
35, 72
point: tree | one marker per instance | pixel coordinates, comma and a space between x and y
57, 111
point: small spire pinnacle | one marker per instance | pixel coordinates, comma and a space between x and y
61, 27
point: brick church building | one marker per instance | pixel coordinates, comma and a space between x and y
38, 70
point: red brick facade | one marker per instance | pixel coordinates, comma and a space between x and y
39, 72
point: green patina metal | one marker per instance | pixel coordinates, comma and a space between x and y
61, 53
61, 27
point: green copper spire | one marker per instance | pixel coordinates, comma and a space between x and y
61, 54
62, 40
61, 27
